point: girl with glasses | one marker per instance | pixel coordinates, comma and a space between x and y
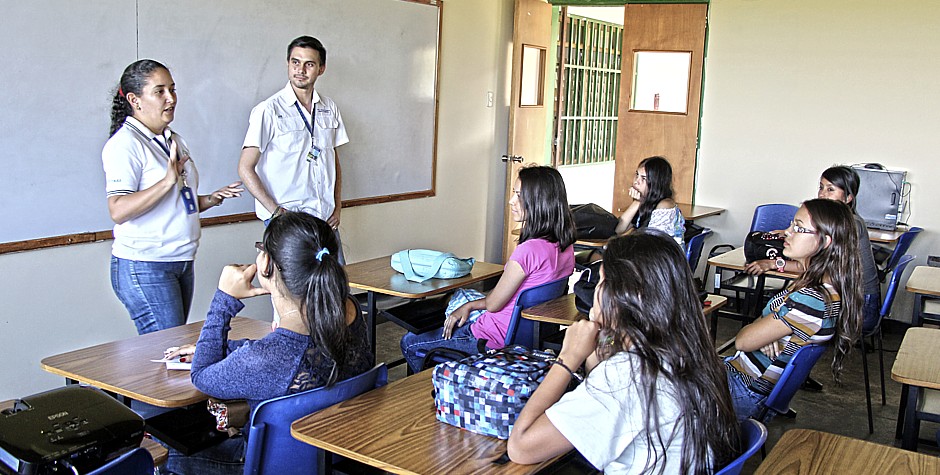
824, 303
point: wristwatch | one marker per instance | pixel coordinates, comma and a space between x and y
781, 264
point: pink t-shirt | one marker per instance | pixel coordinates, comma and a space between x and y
542, 262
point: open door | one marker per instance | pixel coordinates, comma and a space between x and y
530, 99
660, 95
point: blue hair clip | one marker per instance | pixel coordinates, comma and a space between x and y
321, 252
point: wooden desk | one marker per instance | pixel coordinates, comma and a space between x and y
803, 451
158, 453
377, 276
394, 428
693, 212
886, 237
562, 310
916, 367
924, 283
124, 367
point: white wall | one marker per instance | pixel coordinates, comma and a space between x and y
794, 87
60, 299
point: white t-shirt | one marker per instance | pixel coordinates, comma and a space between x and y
295, 180
133, 161
603, 418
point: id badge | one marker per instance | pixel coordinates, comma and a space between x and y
189, 200
314, 153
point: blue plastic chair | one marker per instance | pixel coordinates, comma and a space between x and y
753, 436
135, 462
893, 286
903, 244
794, 374
694, 246
772, 217
272, 450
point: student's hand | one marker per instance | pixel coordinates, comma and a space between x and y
759, 266
772, 350
236, 281
634, 194
233, 190
180, 351
456, 319
580, 341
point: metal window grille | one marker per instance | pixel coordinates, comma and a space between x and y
590, 90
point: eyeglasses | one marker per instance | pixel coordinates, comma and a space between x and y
800, 229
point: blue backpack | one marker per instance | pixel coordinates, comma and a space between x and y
419, 265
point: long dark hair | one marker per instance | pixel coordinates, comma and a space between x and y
648, 299
659, 187
294, 241
841, 264
846, 179
545, 203
133, 80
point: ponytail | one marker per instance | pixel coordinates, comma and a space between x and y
325, 310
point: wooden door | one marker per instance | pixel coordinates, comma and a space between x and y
678, 28
530, 99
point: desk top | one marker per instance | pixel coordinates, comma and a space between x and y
124, 366
803, 451
924, 280
562, 310
918, 360
882, 236
735, 260
395, 429
377, 275
693, 212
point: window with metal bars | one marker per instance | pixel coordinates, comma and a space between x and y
589, 91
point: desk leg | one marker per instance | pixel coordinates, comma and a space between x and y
758, 294
714, 315
911, 425
902, 405
370, 318
917, 318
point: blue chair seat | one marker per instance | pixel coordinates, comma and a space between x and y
135, 462
753, 436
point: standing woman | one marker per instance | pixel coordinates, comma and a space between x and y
824, 303
151, 187
655, 399
653, 205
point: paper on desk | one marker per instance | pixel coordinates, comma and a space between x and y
175, 363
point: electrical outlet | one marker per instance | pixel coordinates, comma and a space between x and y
489, 98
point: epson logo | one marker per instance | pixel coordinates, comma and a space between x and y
57, 415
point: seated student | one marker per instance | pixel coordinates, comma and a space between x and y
544, 254
655, 399
653, 205
841, 183
824, 303
321, 339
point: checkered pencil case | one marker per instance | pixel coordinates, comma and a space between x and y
485, 393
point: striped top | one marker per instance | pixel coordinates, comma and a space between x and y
812, 317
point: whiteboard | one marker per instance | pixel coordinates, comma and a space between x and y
62, 59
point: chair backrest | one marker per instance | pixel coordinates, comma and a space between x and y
694, 246
903, 244
135, 462
272, 450
772, 217
521, 330
794, 374
753, 436
893, 284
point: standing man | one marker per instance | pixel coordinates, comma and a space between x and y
289, 159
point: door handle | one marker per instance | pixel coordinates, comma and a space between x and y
512, 158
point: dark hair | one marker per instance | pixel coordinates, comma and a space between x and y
545, 203
659, 187
840, 262
293, 241
307, 42
133, 80
647, 298
846, 179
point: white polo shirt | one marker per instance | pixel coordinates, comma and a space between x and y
132, 162
296, 181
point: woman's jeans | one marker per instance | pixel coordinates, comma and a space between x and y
461, 339
157, 295
227, 458
746, 403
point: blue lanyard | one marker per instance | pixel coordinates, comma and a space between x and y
312, 116
165, 148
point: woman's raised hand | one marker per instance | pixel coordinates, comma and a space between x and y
236, 281
580, 341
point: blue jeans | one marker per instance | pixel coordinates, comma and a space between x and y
225, 458
746, 403
157, 295
462, 340
871, 312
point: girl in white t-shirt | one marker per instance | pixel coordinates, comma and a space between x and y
656, 398
151, 187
